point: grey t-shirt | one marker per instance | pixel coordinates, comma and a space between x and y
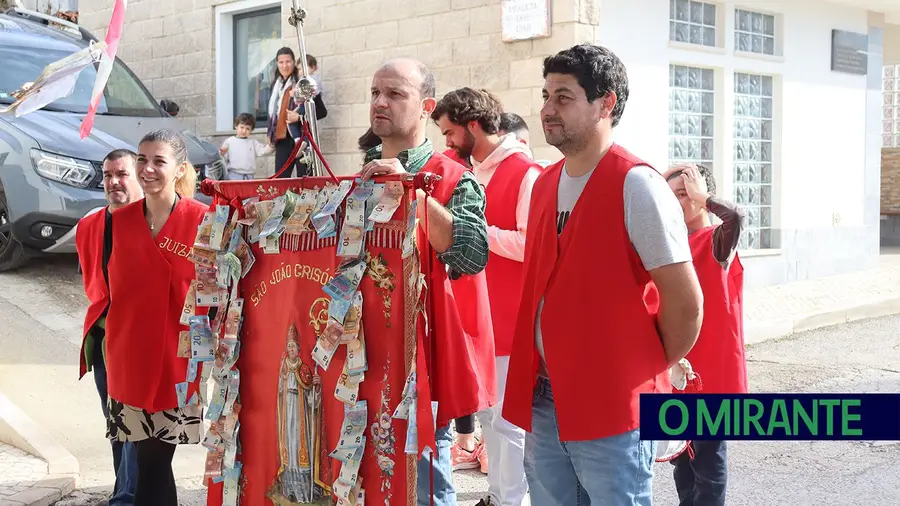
653, 218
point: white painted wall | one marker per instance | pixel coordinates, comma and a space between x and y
819, 155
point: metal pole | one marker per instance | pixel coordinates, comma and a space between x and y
306, 87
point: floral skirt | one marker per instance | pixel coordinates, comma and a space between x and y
176, 426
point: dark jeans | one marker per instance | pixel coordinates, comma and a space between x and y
156, 482
124, 455
702, 481
283, 150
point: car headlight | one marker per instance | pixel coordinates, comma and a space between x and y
66, 170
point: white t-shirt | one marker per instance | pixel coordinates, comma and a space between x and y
653, 218
242, 154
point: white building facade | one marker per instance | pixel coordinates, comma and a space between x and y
747, 88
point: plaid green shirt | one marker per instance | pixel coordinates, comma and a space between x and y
469, 252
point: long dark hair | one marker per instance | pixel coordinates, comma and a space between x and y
290, 52
368, 140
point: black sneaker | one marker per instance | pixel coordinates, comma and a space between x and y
485, 502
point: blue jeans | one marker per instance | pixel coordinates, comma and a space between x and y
612, 471
124, 455
444, 493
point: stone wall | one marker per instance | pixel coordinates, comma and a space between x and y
169, 44
890, 181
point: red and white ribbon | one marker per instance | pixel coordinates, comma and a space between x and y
107, 58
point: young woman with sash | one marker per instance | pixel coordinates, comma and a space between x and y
149, 277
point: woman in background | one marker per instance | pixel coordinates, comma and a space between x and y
285, 113
149, 277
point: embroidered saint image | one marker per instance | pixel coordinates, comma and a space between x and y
304, 475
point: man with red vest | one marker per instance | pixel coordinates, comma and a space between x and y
718, 356
602, 225
512, 123
121, 187
454, 155
453, 255
470, 120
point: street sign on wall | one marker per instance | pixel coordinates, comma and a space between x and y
525, 19
849, 52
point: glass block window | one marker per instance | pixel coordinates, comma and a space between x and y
692, 22
890, 126
754, 32
692, 101
753, 124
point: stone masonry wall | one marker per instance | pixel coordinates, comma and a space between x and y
169, 45
890, 181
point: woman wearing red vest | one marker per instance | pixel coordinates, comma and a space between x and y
149, 277
470, 121
718, 356
602, 224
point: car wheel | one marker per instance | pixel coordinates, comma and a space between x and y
12, 254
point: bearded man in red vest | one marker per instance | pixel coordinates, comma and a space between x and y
718, 356
120, 184
470, 121
456, 247
602, 225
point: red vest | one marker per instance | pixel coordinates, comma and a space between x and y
718, 355
149, 279
453, 155
504, 276
89, 244
600, 341
462, 377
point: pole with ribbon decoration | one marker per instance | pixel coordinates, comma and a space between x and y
305, 90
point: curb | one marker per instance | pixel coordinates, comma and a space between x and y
20, 431
756, 332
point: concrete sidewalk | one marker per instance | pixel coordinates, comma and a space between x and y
34, 469
777, 311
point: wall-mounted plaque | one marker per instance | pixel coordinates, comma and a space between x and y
849, 52
525, 19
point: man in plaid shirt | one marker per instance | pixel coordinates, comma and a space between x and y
402, 99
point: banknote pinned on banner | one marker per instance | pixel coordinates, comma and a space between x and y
388, 203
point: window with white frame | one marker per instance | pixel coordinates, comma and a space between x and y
692, 101
752, 176
257, 38
890, 127
754, 32
692, 22
248, 35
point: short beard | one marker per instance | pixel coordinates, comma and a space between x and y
465, 151
568, 144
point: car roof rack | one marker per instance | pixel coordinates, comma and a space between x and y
46, 19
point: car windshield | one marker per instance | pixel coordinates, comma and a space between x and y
124, 95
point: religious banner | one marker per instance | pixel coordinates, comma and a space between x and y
318, 368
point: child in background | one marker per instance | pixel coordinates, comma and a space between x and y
718, 356
240, 151
313, 65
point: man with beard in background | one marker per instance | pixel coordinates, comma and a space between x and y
93, 241
470, 122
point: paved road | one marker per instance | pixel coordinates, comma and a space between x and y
40, 314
